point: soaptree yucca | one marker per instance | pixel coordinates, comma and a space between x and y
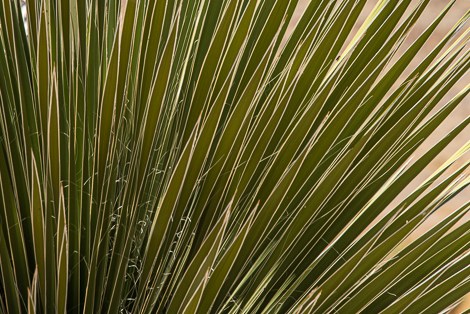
193, 156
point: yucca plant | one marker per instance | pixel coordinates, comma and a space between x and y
189, 156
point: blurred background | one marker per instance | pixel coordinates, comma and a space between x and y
462, 112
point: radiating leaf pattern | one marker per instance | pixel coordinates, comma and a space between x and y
193, 156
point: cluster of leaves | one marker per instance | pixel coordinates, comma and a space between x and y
180, 156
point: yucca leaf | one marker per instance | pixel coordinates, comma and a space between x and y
207, 156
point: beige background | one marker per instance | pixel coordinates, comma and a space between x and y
463, 111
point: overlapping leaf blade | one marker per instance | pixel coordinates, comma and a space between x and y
193, 156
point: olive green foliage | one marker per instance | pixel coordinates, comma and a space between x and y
187, 156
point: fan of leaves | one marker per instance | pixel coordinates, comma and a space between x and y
183, 156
